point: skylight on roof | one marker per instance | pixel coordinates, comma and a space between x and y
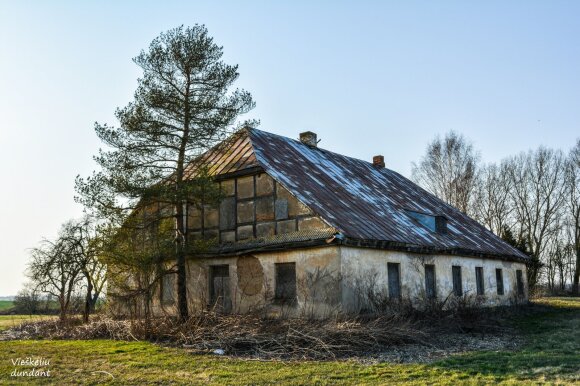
436, 224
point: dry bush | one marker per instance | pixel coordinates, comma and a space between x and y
277, 338
248, 335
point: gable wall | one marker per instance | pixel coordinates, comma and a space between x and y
253, 206
252, 283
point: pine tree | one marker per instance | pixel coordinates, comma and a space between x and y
183, 105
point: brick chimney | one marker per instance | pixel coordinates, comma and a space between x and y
379, 161
309, 138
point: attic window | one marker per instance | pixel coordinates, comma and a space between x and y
436, 224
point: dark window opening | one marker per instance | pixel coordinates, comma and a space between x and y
499, 280
219, 288
286, 283
440, 224
167, 287
479, 280
457, 285
394, 280
430, 290
520, 282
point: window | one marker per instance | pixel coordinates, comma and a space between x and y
434, 223
167, 288
520, 282
219, 288
440, 224
430, 281
499, 280
457, 286
286, 282
394, 280
479, 281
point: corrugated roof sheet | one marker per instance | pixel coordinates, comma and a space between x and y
360, 200
233, 154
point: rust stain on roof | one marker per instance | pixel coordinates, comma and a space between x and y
233, 154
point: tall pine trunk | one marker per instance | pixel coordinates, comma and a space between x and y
181, 230
181, 271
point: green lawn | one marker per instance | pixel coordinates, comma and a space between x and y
6, 305
551, 354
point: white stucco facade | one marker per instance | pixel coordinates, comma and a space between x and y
359, 263
330, 279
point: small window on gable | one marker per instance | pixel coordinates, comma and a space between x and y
434, 223
286, 283
167, 288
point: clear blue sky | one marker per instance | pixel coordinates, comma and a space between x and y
368, 77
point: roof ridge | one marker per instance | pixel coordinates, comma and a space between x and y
363, 201
319, 148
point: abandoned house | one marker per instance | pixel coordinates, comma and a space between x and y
303, 229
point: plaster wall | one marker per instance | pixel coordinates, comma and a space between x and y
252, 282
330, 279
368, 268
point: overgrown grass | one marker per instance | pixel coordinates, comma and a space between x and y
551, 354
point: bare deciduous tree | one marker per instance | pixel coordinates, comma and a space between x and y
85, 247
492, 205
55, 271
28, 300
449, 170
538, 195
573, 206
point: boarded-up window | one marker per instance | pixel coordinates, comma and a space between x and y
430, 289
499, 280
286, 283
228, 214
281, 209
457, 285
167, 288
219, 290
479, 280
520, 282
394, 280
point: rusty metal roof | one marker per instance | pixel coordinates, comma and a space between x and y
368, 203
369, 206
233, 154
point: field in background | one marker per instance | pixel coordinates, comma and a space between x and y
6, 305
8, 321
551, 353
